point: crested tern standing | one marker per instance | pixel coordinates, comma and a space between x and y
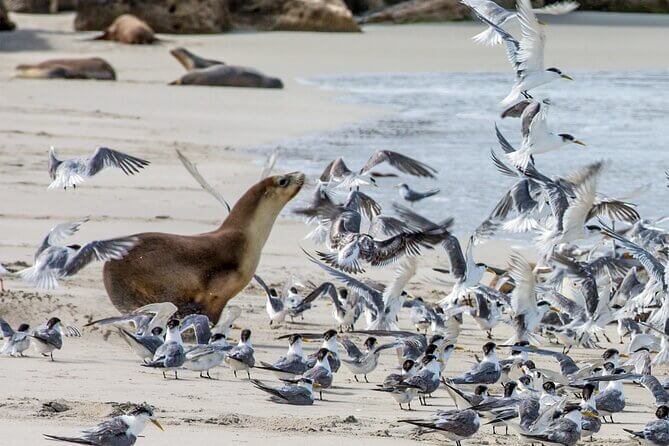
242, 356
16, 341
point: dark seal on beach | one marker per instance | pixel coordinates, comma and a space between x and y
217, 74
87, 68
201, 273
129, 29
228, 76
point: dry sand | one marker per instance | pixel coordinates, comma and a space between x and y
141, 115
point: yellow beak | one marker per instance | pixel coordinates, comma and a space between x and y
557, 310
157, 424
623, 355
580, 143
589, 413
565, 76
458, 348
541, 22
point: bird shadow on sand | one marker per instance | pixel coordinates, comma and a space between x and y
23, 40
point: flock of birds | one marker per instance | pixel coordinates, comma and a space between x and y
598, 263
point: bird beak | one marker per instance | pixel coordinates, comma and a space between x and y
580, 143
541, 22
157, 424
458, 348
557, 310
236, 327
565, 76
589, 413
623, 355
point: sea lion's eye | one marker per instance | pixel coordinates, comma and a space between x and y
283, 182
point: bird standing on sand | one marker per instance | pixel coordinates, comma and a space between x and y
203, 358
70, 173
320, 374
242, 356
455, 425
655, 432
119, 431
488, 371
53, 262
412, 196
299, 394
16, 341
291, 365
48, 338
170, 356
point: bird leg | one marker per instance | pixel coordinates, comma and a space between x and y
235, 373
248, 373
401, 408
208, 375
164, 376
176, 376
356, 378
506, 430
321, 394
410, 405
366, 380
2, 286
606, 337
51, 354
489, 334
201, 374
493, 430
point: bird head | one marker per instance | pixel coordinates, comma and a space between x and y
558, 73
569, 139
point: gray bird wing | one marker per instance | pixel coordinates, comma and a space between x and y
200, 325
363, 204
372, 298
6, 329
484, 372
352, 350
112, 432
59, 233
204, 184
99, 250
652, 384
319, 375
650, 263
290, 364
532, 111
104, 157
150, 342
243, 354
48, 336
401, 162
657, 432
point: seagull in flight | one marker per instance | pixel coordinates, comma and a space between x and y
527, 55
71, 172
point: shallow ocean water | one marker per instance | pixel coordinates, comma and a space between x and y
447, 120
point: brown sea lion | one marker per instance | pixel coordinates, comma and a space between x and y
228, 76
191, 61
129, 29
88, 68
201, 273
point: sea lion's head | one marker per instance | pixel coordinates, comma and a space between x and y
257, 209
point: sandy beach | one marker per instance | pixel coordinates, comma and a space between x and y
142, 115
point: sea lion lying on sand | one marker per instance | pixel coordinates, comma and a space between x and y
217, 74
129, 29
88, 68
201, 273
